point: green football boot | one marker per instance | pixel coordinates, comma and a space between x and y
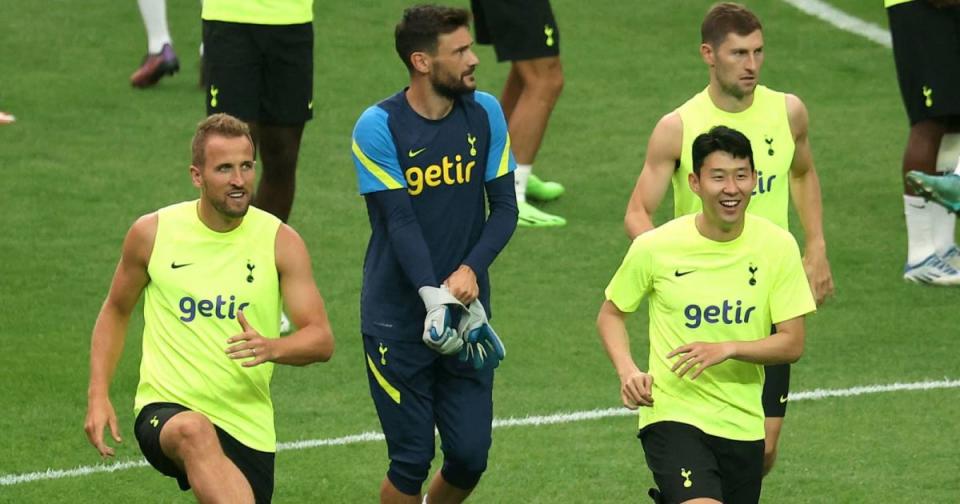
543, 191
942, 189
530, 216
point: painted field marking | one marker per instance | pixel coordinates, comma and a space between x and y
535, 420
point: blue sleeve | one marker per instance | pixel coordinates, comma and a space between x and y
406, 237
375, 154
500, 224
499, 159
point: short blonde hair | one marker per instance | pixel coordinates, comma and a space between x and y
217, 124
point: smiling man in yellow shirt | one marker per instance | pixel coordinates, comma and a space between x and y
715, 282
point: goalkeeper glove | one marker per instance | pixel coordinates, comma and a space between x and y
438, 331
481, 343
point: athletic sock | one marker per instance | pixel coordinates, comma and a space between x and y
920, 224
154, 13
948, 157
521, 175
944, 229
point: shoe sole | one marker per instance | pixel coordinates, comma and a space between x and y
534, 224
933, 283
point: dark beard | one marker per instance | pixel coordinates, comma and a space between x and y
450, 91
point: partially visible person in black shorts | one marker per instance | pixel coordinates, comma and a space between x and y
776, 393
926, 50
256, 466
526, 35
688, 464
258, 64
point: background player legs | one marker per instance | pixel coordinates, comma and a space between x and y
154, 14
511, 92
160, 59
771, 428
923, 145
529, 95
278, 148
190, 440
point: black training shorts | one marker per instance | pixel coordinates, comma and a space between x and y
259, 73
926, 50
256, 465
687, 464
518, 30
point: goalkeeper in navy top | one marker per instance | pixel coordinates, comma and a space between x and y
426, 158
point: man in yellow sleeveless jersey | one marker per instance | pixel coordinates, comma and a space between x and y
716, 280
258, 66
215, 272
776, 124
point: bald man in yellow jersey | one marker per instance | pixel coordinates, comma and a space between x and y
715, 280
215, 272
776, 124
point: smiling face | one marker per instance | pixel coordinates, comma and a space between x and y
227, 176
735, 63
724, 185
453, 64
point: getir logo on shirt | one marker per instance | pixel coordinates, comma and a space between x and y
220, 308
725, 313
446, 173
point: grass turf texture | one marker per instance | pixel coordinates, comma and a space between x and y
89, 154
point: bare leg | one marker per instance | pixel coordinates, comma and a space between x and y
512, 89
278, 148
442, 492
923, 144
542, 82
190, 440
771, 427
390, 495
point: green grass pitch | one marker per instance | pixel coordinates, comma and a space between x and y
89, 154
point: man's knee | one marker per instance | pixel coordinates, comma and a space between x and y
188, 435
543, 76
464, 465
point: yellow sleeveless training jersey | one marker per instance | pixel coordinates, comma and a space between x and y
199, 279
703, 290
767, 126
263, 12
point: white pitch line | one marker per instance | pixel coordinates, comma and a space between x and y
842, 20
538, 420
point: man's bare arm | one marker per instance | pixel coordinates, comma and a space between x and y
663, 154
806, 196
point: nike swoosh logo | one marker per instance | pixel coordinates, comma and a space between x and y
174, 265
415, 153
783, 399
679, 273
